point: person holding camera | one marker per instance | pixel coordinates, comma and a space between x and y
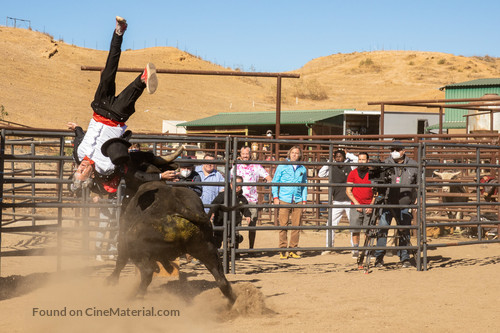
359, 196
406, 173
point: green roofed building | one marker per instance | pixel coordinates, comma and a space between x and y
454, 118
301, 122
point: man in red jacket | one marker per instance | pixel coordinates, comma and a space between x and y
359, 196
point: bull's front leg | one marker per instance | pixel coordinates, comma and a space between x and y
223, 283
206, 252
147, 268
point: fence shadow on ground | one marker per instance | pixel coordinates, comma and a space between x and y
446, 262
18, 285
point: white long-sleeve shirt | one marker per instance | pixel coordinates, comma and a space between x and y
98, 133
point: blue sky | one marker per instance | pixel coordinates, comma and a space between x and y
270, 36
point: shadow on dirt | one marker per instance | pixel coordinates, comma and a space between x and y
440, 261
188, 290
17, 285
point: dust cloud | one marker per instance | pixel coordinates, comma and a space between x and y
81, 303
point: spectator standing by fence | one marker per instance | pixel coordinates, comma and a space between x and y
208, 173
251, 173
290, 173
404, 174
359, 196
219, 215
187, 174
339, 196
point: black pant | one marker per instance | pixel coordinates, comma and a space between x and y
252, 233
219, 234
105, 103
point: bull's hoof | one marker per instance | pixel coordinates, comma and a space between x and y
230, 295
111, 280
132, 297
137, 294
232, 299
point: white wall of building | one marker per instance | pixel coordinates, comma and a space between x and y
407, 122
170, 126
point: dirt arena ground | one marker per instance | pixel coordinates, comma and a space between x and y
318, 293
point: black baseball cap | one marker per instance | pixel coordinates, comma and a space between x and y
397, 145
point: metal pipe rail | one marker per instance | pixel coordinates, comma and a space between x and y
195, 72
56, 228
315, 149
320, 249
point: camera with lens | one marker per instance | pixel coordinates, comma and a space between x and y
380, 175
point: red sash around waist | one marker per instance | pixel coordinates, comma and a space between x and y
107, 121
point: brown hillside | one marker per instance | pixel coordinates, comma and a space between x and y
42, 84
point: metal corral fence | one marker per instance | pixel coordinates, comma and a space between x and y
40, 216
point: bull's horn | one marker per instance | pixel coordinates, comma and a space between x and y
174, 155
438, 173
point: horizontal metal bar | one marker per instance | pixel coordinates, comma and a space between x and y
30, 217
196, 72
319, 249
469, 223
55, 228
450, 100
319, 227
28, 197
484, 241
464, 165
36, 158
51, 251
55, 205
38, 132
453, 204
36, 180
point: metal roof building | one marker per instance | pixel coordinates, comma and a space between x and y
299, 122
454, 118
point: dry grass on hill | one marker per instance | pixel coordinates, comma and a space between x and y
42, 84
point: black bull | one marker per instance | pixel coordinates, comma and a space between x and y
160, 224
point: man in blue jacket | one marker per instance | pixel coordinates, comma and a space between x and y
290, 173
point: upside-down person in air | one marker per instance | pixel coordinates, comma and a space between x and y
108, 121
